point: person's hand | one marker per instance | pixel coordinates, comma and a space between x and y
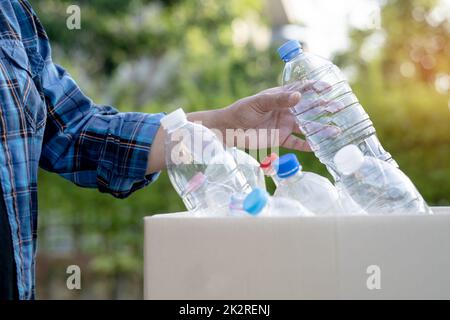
268, 111
268, 114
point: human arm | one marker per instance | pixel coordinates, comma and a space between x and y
266, 110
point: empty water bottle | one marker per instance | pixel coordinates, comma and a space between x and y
349, 206
249, 167
213, 198
313, 191
268, 169
236, 206
328, 114
192, 149
260, 203
377, 186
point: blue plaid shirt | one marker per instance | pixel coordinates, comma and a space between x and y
47, 121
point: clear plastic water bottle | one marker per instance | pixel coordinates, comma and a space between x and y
236, 206
329, 114
349, 206
260, 203
213, 197
377, 186
268, 169
313, 191
192, 149
249, 167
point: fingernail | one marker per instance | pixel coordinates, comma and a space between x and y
320, 86
294, 97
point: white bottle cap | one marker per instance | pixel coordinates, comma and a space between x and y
348, 159
174, 119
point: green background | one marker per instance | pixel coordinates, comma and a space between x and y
194, 63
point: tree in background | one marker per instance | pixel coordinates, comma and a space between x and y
403, 81
148, 56
153, 56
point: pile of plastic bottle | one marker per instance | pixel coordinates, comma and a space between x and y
213, 180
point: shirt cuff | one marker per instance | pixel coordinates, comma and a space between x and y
123, 164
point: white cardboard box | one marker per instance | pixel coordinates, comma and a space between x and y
408, 257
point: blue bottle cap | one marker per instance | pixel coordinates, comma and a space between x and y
287, 165
289, 50
256, 201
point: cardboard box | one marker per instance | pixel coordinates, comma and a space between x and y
334, 257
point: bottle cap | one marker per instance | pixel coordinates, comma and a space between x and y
256, 201
174, 119
287, 165
268, 161
289, 50
348, 159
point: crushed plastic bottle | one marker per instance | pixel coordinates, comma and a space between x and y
260, 203
329, 113
313, 191
377, 186
192, 149
249, 167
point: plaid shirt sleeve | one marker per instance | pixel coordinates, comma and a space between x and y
46, 120
92, 145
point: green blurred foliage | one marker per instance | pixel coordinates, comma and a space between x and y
398, 89
207, 70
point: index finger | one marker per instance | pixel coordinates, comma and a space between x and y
270, 101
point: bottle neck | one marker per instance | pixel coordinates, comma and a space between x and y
174, 127
292, 55
296, 176
269, 172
